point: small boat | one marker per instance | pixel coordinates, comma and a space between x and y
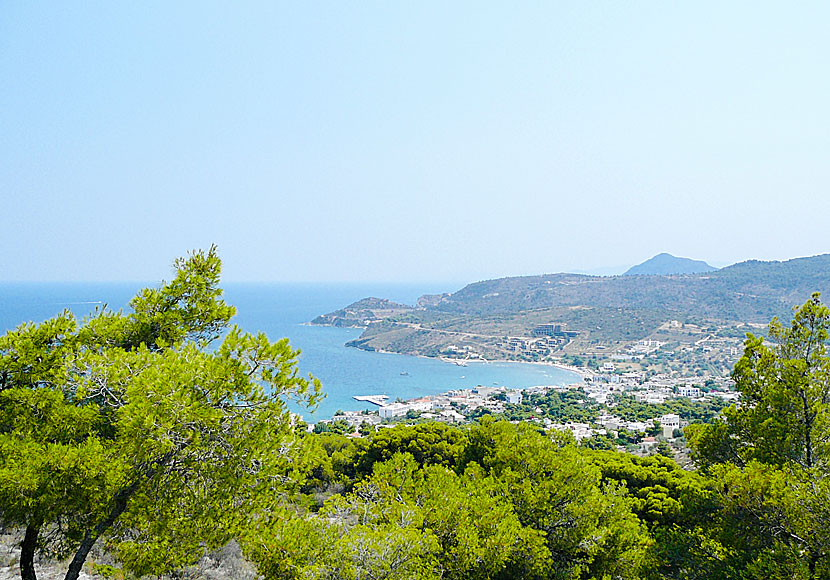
404, 374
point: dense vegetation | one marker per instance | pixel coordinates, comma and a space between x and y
140, 429
569, 406
630, 409
131, 428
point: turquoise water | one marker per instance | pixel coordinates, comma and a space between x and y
280, 310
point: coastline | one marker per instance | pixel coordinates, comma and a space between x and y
407, 377
582, 372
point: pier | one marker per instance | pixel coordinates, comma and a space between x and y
379, 400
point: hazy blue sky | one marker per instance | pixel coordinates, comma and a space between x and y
409, 141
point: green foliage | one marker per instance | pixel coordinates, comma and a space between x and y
339, 427
785, 391
147, 429
784, 415
665, 493
136, 426
599, 442
107, 571
189, 308
31, 355
664, 449
770, 455
406, 521
568, 406
428, 443
630, 409
589, 528
514, 504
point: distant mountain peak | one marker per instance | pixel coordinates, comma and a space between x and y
664, 264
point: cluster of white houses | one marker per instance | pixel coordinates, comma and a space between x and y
655, 389
447, 406
442, 407
669, 423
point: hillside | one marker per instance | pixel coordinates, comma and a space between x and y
362, 313
666, 264
480, 319
751, 291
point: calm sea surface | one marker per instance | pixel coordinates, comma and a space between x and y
280, 310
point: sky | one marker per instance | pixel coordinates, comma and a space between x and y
409, 141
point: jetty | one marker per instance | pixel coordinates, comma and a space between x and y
379, 400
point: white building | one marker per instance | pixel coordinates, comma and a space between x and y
579, 430
669, 423
611, 422
636, 426
356, 418
393, 410
452, 417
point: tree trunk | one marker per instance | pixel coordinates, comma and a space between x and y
91, 536
27, 552
80, 557
811, 564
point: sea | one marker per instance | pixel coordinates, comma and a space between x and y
284, 310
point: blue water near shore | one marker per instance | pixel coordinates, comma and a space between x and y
281, 310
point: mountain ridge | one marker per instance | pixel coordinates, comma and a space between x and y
600, 309
664, 264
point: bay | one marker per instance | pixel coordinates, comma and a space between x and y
283, 310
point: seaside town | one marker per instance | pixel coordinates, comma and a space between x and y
677, 375
599, 390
